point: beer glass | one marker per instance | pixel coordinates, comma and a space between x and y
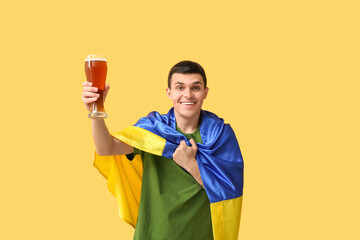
95, 70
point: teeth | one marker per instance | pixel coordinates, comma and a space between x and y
187, 103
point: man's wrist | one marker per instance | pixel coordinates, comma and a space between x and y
195, 172
192, 166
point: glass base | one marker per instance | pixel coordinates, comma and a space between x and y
97, 115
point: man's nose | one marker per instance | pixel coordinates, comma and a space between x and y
188, 93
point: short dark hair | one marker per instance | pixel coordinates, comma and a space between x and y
187, 67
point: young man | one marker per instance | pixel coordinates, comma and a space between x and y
175, 203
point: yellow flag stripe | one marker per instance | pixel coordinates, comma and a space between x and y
142, 139
225, 217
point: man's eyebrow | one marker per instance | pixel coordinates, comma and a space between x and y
194, 83
198, 82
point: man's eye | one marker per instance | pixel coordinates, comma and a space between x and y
196, 88
179, 88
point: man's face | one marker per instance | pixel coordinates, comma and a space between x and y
187, 93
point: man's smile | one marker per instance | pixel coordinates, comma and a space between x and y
188, 103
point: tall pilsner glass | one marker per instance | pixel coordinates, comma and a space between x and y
96, 69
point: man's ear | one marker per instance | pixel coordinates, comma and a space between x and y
168, 91
206, 92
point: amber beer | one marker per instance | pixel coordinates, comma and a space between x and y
96, 69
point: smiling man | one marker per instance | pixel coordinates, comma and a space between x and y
184, 179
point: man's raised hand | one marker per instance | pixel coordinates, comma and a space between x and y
90, 95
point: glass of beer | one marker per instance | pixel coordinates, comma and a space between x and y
95, 70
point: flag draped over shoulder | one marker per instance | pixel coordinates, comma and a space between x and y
219, 159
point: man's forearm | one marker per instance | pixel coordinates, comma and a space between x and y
195, 172
102, 139
105, 144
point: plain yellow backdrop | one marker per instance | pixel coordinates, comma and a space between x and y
284, 74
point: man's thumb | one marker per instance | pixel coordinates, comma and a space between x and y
193, 144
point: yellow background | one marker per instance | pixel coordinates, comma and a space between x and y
285, 74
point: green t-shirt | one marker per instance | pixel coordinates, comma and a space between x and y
172, 204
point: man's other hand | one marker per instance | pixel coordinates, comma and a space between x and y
185, 156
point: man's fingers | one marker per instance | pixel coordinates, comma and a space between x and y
193, 144
89, 100
90, 95
90, 89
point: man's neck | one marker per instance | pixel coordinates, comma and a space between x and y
187, 125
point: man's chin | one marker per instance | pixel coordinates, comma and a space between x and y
189, 113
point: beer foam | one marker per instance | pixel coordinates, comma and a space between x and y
95, 59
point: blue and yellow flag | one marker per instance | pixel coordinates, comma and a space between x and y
219, 159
